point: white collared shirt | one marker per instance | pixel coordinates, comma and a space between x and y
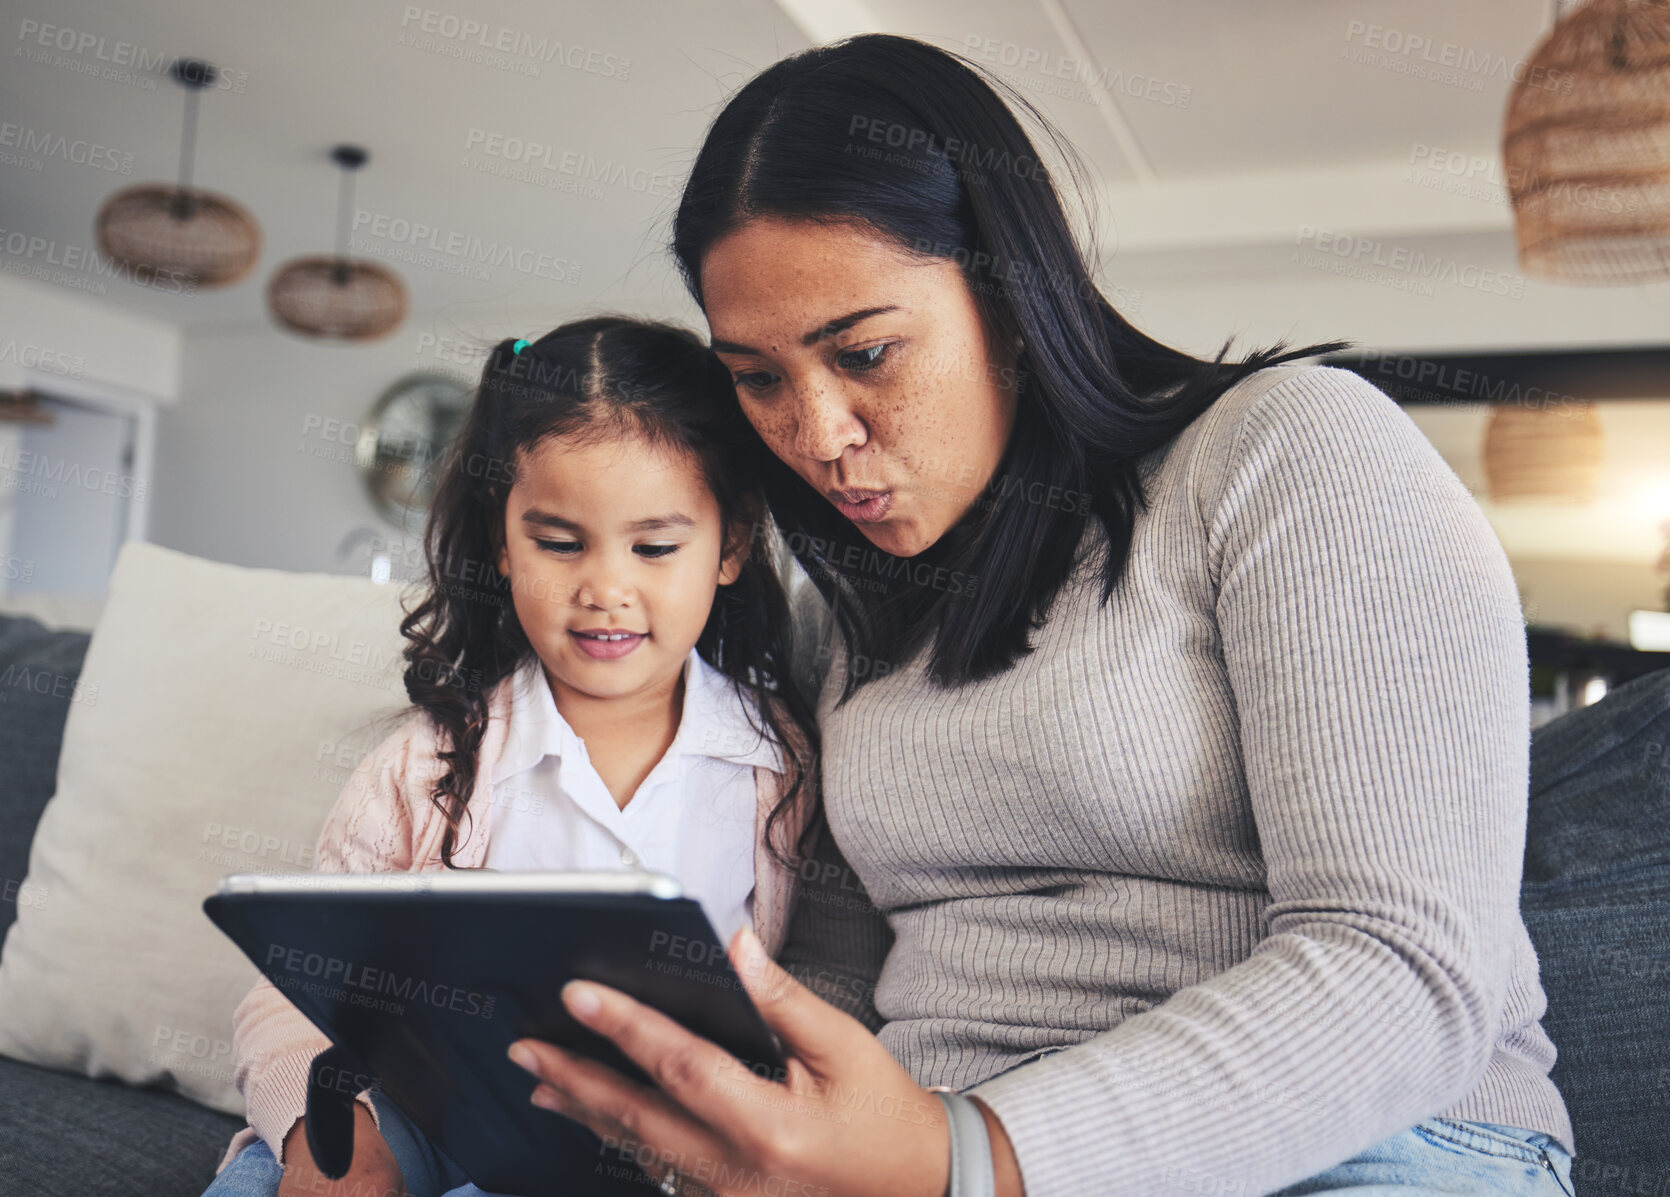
692, 817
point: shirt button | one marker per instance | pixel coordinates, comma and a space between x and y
628, 857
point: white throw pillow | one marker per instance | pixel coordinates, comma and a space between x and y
219, 712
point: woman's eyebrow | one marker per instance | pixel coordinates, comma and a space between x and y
838, 325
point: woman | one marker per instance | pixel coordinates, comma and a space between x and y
1176, 719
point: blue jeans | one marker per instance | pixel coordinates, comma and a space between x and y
1434, 1157
1440, 1156
255, 1173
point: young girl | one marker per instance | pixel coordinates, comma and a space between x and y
616, 694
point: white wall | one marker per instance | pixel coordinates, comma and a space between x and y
245, 472
1589, 598
1195, 305
78, 338
118, 368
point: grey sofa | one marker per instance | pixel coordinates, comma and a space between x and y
1596, 898
64, 1135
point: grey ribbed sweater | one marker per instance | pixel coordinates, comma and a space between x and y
1247, 840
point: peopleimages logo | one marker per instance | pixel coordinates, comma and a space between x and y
107, 54
1422, 57
1046, 65
332, 972
586, 171
35, 357
1406, 377
852, 560
465, 37
78, 151
1478, 177
1356, 256
354, 652
29, 251
26, 470
435, 246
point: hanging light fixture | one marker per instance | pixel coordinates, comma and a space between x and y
194, 236
1533, 454
335, 296
1586, 147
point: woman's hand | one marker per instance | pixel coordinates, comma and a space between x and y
373, 1173
846, 1120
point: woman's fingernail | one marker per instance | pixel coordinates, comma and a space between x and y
545, 1099
581, 999
523, 1057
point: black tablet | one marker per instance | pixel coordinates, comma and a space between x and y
428, 977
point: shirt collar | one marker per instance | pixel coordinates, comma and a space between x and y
536, 728
721, 722
717, 722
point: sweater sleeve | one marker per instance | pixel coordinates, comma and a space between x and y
1371, 633
370, 828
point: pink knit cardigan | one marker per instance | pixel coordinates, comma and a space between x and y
384, 821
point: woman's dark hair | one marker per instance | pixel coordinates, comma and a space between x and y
914, 142
603, 377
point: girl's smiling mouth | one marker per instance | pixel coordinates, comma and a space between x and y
607, 644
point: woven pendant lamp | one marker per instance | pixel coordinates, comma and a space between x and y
1535, 455
181, 232
1586, 147
336, 297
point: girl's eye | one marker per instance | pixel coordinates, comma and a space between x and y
561, 547
755, 380
656, 550
859, 360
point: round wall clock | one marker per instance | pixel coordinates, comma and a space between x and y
404, 439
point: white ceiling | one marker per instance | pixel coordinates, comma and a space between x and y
322, 72
1222, 120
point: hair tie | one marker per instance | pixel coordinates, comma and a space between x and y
519, 346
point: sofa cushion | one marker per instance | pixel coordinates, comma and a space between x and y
38, 671
69, 1136
1596, 901
231, 706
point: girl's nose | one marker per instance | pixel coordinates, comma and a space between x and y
603, 593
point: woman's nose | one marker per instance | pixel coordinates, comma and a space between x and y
826, 424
